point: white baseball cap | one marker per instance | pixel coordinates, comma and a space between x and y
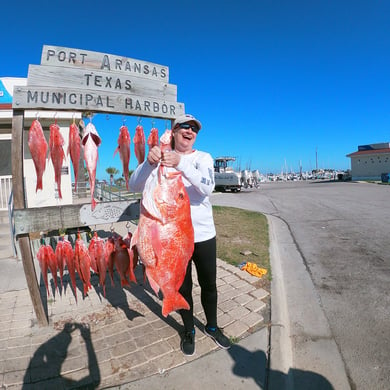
186, 118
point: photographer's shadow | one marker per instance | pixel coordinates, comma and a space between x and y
254, 365
44, 369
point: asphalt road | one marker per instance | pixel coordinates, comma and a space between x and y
342, 230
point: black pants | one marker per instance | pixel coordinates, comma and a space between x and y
204, 258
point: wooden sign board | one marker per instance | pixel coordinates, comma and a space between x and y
55, 76
88, 81
76, 58
74, 99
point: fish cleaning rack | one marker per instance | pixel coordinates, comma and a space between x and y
85, 82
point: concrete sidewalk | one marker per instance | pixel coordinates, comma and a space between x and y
121, 340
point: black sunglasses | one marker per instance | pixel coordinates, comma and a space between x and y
188, 126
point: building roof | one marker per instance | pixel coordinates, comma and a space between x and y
7, 89
369, 152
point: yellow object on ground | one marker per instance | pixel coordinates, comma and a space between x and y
253, 269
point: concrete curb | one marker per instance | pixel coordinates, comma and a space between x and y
304, 353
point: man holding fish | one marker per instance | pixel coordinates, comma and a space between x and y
196, 168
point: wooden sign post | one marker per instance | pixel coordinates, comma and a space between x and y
88, 82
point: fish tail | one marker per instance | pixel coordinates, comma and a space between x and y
93, 203
39, 185
124, 282
174, 303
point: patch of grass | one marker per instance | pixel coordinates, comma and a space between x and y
239, 231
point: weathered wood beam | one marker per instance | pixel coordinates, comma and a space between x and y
73, 216
19, 202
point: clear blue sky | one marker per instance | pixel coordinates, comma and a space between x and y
271, 80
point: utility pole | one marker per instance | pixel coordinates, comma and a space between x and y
316, 160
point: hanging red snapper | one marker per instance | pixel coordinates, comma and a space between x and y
43, 259
74, 150
164, 237
68, 256
153, 138
109, 251
139, 144
124, 151
91, 141
38, 149
123, 261
57, 155
83, 263
60, 258
96, 252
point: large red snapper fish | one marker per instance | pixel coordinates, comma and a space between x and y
164, 237
124, 151
38, 149
139, 144
91, 141
57, 155
74, 148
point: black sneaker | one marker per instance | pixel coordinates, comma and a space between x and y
218, 337
187, 344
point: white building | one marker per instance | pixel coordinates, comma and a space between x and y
370, 161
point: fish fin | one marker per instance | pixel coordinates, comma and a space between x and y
130, 270
156, 243
153, 284
174, 303
116, 151
124, 282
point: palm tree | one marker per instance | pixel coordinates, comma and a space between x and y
112, 171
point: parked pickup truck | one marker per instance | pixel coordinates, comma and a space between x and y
226, 179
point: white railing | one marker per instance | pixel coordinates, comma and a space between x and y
5, 191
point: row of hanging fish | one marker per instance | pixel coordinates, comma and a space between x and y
124, 141
98, 256
90, 141
39, 147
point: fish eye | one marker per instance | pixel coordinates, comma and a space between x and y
181, 195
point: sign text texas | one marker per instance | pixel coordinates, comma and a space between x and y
56, 76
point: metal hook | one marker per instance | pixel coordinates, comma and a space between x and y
112, 227
55, 117
128, 226
152, 123
37, 115
139, 120
123, 120
42, 240
74, 118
